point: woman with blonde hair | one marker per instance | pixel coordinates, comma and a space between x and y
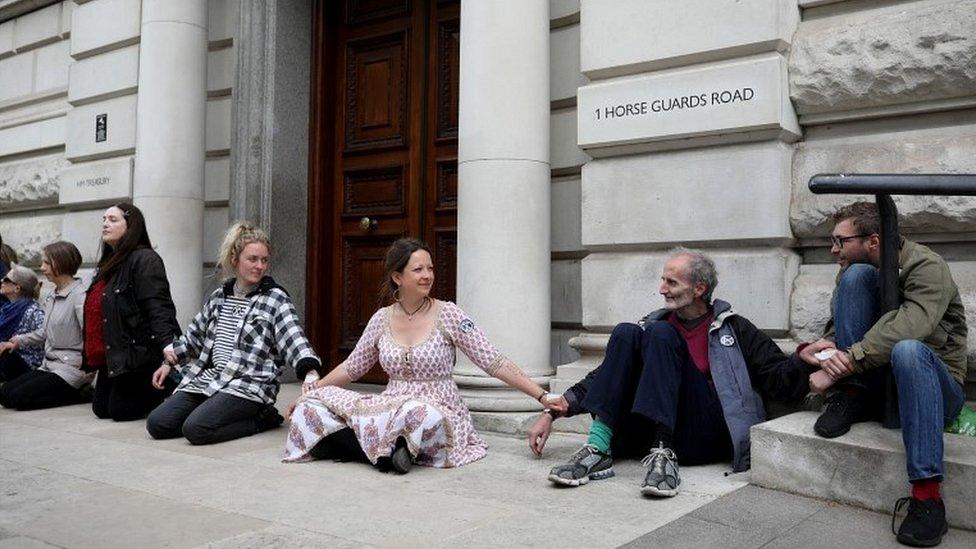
233, 351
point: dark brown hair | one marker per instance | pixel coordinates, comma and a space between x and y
396, 259
863, 215
135, 237
63, 257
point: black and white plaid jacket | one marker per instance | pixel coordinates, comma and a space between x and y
269, 337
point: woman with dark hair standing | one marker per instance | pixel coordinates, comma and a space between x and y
419, 417
129, 318
59, 380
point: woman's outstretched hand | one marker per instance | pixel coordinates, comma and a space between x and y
159, 376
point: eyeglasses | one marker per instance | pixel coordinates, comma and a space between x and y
840, 240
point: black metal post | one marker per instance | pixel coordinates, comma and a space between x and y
890, 248
883, 186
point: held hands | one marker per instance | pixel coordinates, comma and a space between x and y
558, 404
539, 434
309, 384
7, 346
170, 356
820, 381
808, 352
838, 365
159, 376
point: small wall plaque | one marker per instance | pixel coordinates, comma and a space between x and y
101, 127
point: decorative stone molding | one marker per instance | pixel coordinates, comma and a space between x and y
28, 234
907, 55
31, 183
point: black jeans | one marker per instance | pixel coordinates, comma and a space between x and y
127, 396
648, 377
12, 366
36, 390
206, 420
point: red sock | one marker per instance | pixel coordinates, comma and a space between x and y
926, 489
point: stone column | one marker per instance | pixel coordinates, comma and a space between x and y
170, 148
269, 140
503, 191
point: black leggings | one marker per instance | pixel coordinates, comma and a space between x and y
127, 396
341, 445
12, 366
36, 390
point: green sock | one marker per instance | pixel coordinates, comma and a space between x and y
600, 435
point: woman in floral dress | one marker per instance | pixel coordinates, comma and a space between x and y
419, 417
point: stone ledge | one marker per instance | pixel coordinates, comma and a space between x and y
865, 467
518, 423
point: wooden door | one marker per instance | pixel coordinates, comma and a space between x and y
384, 155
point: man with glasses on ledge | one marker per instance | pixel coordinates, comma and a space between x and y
924, 342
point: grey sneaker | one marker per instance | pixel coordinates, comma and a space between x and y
662, 478
586, 464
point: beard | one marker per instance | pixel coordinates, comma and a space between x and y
678, 302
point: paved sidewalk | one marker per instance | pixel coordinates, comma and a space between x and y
753, 517
68, 479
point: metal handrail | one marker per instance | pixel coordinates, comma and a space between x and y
883, 186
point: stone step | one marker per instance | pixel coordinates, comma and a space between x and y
519, 423
572, 371
864, 468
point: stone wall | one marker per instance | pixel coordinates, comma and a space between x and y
883, 89
865, 87
63, 66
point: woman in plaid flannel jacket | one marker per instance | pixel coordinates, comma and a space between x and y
234, 351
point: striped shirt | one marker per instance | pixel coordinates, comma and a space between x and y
229, 320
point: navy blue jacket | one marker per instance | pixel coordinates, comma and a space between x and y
745, 365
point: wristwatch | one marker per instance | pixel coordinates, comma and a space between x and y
552, 415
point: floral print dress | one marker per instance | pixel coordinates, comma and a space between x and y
421, 402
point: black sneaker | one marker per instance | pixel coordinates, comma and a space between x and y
401, 460
662, 478
841, 411
924, 525
588, 463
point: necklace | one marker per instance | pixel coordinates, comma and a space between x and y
409, 314
241, 292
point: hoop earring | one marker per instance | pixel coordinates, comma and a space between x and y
396, 294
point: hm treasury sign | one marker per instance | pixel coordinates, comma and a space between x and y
744, 100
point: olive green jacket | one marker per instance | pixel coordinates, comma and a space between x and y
930, 311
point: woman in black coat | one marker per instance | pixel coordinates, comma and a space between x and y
129, 318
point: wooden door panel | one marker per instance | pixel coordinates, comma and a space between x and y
377, 92
362, 276
446, 185
448, 77
385, 112
361, 11
444, 247
375, 191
